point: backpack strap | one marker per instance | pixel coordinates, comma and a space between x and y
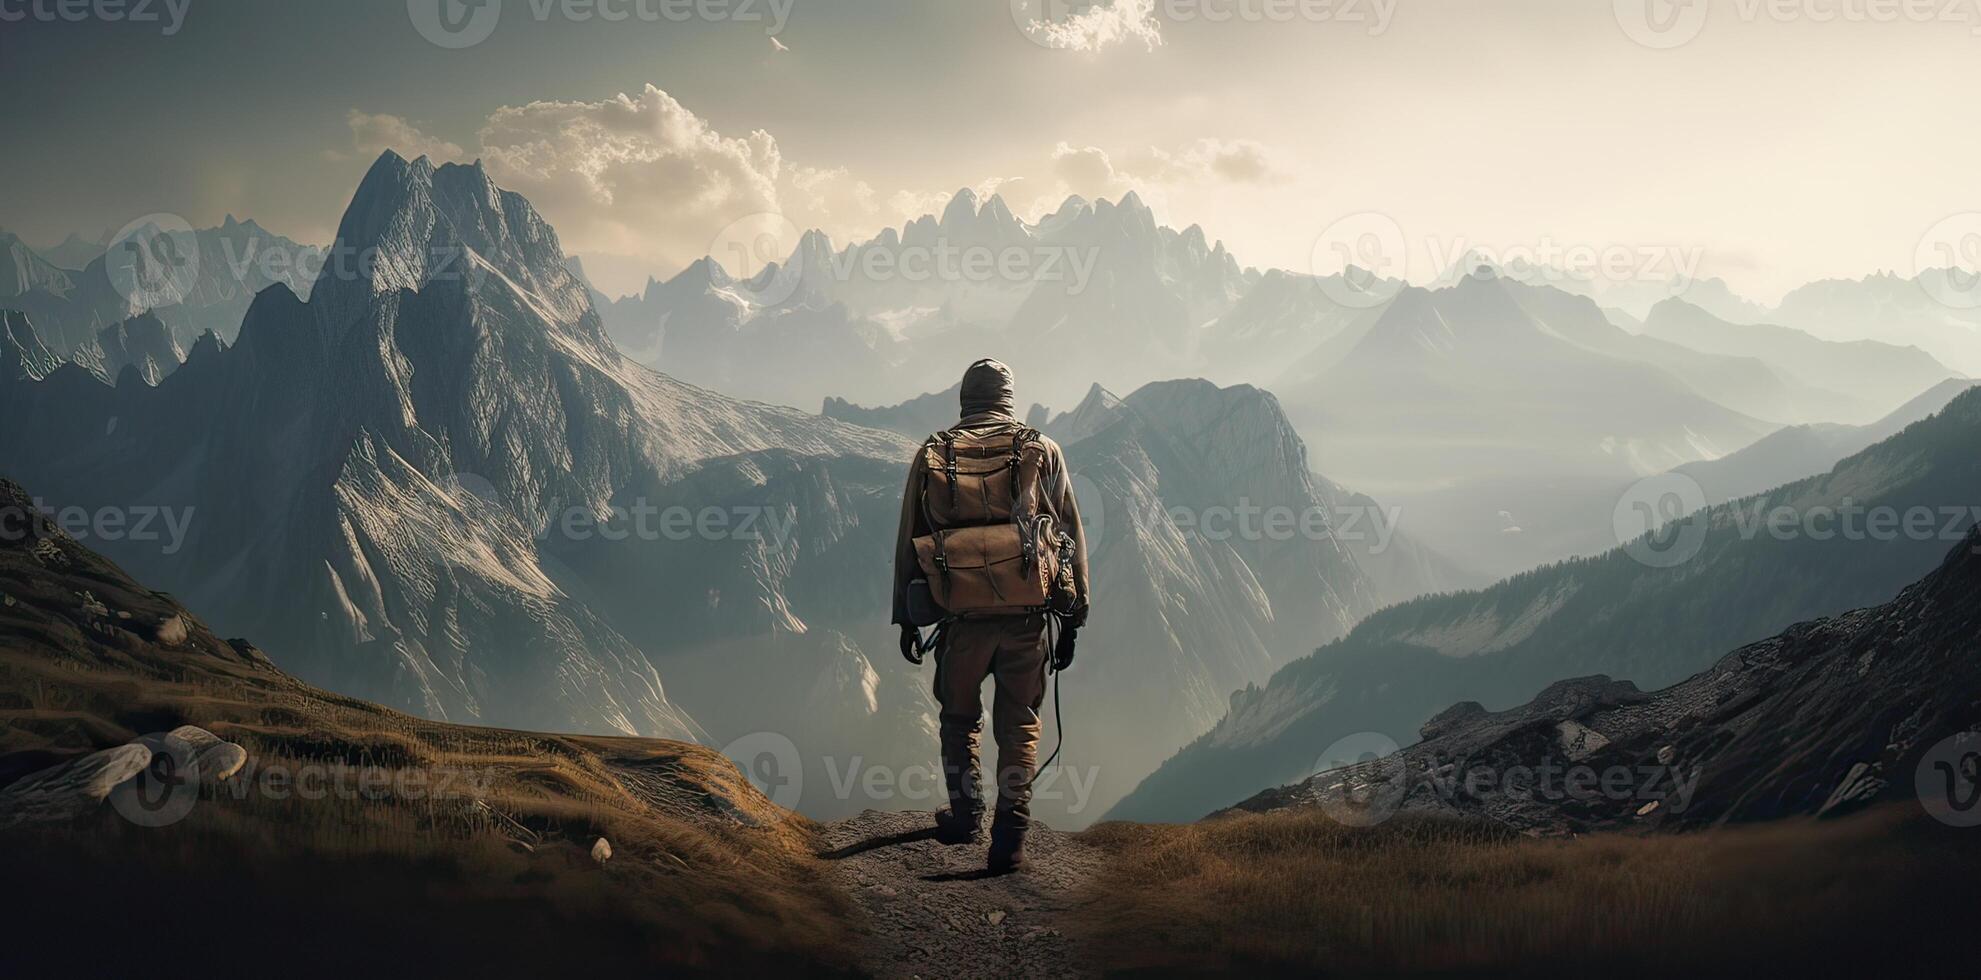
948, 438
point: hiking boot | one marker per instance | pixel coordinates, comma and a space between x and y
1007, 849
957, 828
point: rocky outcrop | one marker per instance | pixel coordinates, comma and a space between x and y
72, 789
1828, 717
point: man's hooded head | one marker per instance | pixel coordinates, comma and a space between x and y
987, 389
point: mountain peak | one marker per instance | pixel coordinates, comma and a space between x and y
962, 208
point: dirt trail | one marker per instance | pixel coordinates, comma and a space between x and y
935, 912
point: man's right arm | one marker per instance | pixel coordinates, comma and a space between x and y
912, 526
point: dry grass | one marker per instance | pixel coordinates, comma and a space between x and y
1889, 892
489, 873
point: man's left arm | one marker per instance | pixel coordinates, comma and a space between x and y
1067, 509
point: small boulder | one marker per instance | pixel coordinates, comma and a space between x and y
602, 851
171, 631
213, 758
996, 918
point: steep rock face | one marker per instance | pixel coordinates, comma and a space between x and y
22, 270
1829, 716
367, 475
142, 343
23, 356
1735, 581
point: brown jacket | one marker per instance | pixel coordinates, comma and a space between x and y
1055, 492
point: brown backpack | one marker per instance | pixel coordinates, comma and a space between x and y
993, 548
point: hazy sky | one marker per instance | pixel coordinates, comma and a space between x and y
1780, 142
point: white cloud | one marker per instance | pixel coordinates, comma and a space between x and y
643, 177
1099, 26
1094, 172
1226, 161
374, 133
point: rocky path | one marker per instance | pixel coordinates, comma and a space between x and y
935, 912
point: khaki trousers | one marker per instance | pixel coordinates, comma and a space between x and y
1012, 651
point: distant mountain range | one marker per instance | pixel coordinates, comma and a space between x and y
1628, 613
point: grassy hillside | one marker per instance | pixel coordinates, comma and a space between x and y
358, 837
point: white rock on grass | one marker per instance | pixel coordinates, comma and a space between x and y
602, 851
215, 759
72, 789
